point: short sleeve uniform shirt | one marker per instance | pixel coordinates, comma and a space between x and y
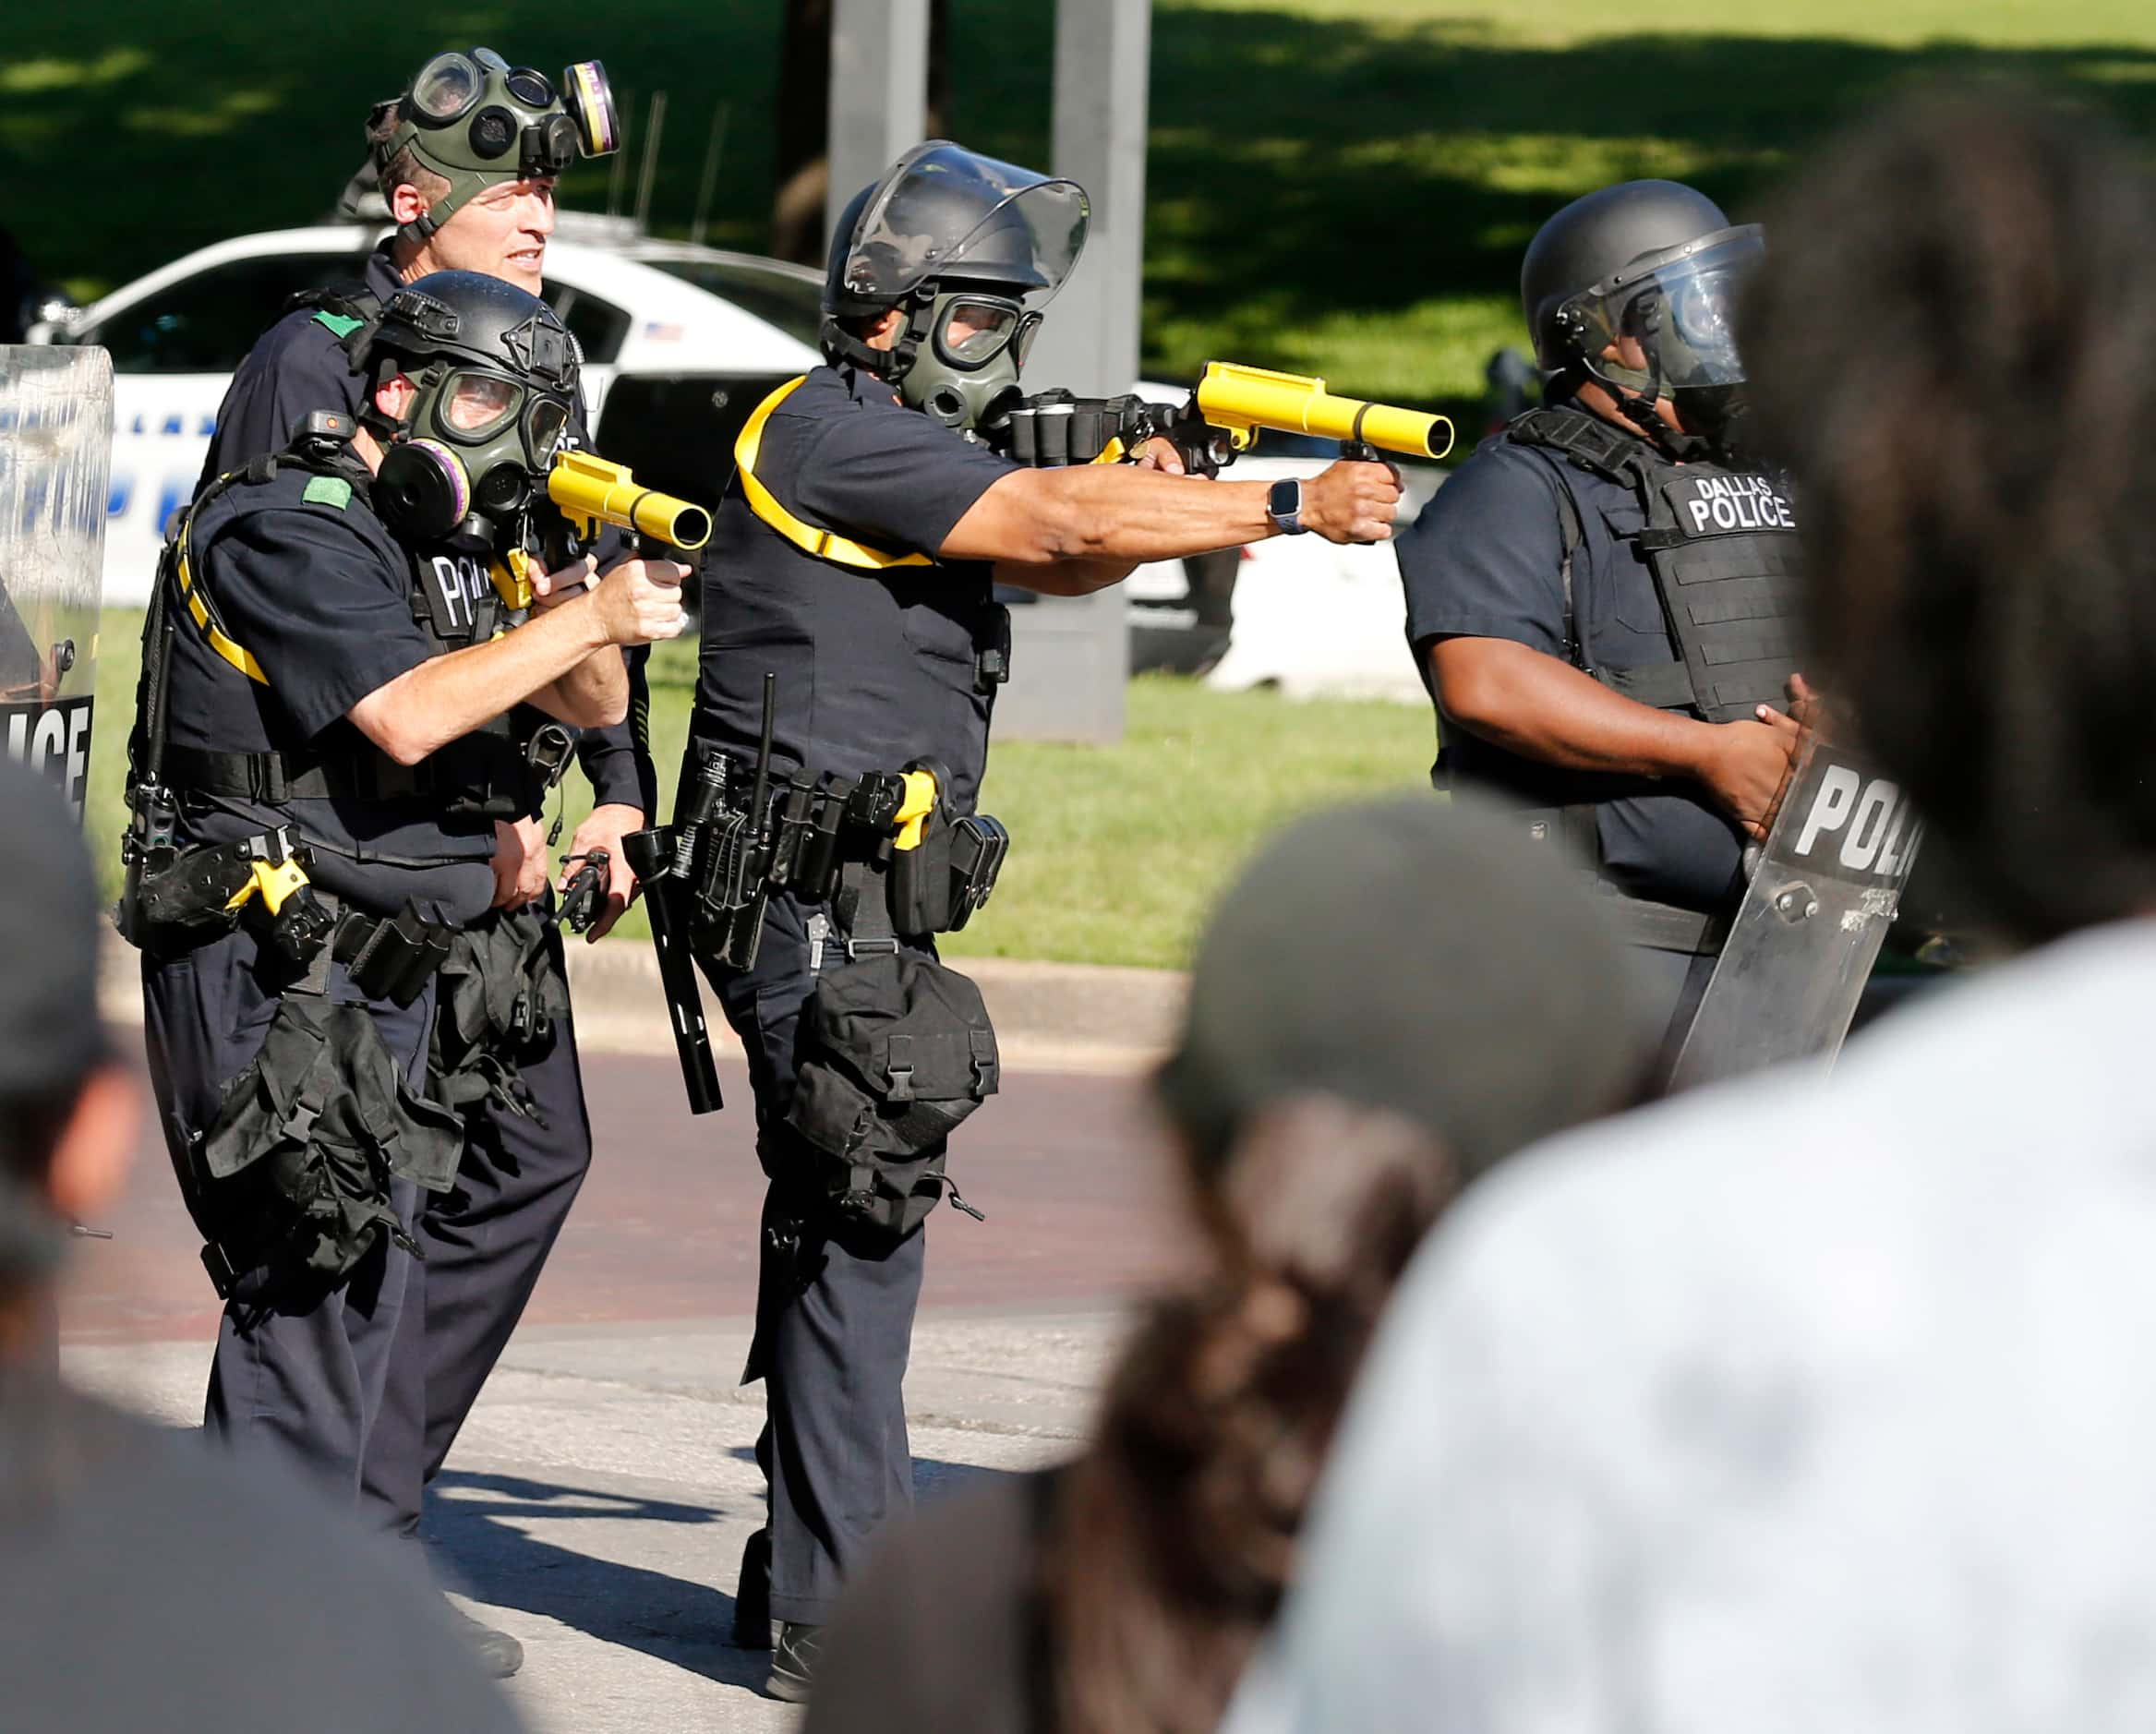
1486, 559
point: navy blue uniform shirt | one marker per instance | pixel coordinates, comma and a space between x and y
298, 365
321, 595
1484, 559
875, 668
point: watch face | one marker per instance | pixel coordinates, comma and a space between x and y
1284, 499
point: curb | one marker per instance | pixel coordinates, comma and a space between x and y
1049, 1016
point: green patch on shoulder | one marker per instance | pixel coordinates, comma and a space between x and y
327, 491
341, 325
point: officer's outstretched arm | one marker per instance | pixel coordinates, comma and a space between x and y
566, 660
1100, 520
1542, 708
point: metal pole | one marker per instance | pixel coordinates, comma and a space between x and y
658, 126
1071, 659
719, 114
1103, 55
879, 91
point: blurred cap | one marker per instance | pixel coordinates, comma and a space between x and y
1415, 955
50, 1035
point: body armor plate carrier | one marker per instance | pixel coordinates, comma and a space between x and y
1722, 548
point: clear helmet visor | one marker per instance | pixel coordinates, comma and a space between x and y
1673, 317
949, 212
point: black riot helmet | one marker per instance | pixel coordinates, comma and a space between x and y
1654, 269
497, 378
970, 250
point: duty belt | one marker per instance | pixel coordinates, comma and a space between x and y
741, 833
467, 767
1640, 921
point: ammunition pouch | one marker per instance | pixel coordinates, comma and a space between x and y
293, 1175
503, 991
1055, 429
896, 1051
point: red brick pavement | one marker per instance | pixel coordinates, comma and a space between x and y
1070, 1171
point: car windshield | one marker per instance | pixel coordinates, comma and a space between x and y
794, 304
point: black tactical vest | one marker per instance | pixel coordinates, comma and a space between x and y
485, 774
1721, 546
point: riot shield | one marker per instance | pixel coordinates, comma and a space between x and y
1822, 894
55, 463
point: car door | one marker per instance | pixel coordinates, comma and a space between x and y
173, 352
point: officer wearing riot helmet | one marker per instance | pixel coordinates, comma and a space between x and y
318, 765
1600, 598
465, 161
859, 541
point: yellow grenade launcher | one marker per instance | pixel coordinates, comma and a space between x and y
1239, 401
591, 491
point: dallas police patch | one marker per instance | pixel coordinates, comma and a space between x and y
1727, 505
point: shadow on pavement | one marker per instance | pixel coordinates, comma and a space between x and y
477, 1533
476, 1530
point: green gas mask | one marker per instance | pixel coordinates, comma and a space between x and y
964, 374
477, 121
497, 378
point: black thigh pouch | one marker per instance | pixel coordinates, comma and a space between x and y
295, 1174
895, 1051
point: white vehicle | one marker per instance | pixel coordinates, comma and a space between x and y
639, 307
690, 339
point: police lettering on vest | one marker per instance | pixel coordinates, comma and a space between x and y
1722, 548
1727, 503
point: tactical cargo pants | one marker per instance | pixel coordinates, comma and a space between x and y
834, 1318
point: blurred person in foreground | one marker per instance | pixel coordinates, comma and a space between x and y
1396, 994
1812, 1405
149, 1582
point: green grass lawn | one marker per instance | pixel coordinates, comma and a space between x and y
1117, 852
1337, 186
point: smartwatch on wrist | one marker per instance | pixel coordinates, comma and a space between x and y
1283, 505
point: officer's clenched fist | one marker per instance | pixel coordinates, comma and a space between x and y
639, 602
1353, 503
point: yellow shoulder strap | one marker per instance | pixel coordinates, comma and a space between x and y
232, 652
823, 544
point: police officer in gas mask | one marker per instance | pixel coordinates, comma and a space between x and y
869, 519
465, 161
319, 760
1600, 598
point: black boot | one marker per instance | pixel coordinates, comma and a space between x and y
794, 1659
753, 1594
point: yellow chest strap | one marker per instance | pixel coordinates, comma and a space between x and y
824, 543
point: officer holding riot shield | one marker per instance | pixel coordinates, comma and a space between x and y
825, 826
319, 764
465, 161
1601, 597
